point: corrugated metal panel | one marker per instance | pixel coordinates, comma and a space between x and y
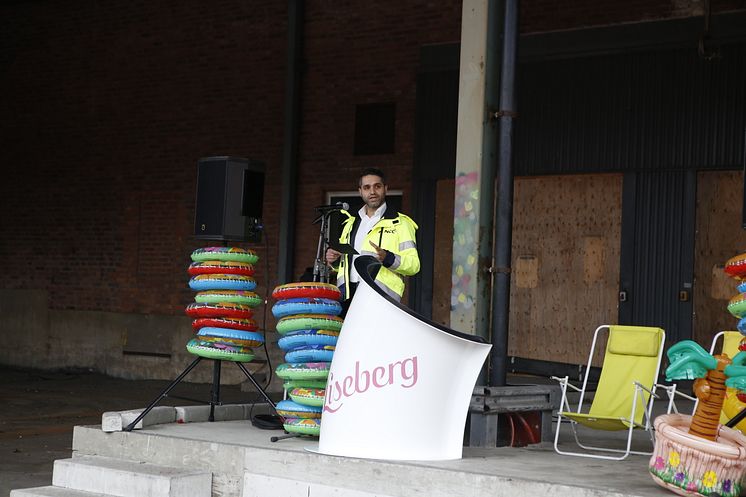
636, 111
658, 251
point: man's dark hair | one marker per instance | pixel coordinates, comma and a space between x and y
371, 171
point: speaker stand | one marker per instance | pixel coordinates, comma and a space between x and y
214, 394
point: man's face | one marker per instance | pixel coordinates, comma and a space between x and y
372, 191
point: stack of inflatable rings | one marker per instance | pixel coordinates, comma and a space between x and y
223, 306
309, 323
736, 268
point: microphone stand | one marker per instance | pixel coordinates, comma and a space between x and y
320, 267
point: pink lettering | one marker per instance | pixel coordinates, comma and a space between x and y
359, 382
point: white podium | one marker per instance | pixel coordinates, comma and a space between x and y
400, 385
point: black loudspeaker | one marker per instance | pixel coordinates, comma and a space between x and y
230, 194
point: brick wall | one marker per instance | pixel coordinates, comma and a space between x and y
107, 106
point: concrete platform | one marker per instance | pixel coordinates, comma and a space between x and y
245, 463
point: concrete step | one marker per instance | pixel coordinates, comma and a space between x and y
51, 491
122, 478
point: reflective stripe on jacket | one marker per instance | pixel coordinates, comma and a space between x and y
394, 232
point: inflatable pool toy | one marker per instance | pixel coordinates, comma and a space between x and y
220, 267
290, 409
220, 351
303, 371
737, 305
237, 342
301, 426
741, 287
221, 282
291, 384
307, 289
306, 305
308, 396
303, 338
736, 266
223, 309
244, 297
309, 322
235, 254
245, 338
311, 353
220, 322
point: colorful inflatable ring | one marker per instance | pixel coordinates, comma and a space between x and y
307, 289
306, 305
221, 267
303, 338
303, 371
223, 309
311, 353
222, 282
309, 322
220, 351
291, 384
232, 323
235, 254
742, 326
301, 426
308, 396
736, 266
290, 409
741, 287
244, 297
235, 342
737, 305
244, 338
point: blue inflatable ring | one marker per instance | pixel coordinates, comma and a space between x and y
303, 338
222, 282
290, 409
251, 336
306, 305
311, 353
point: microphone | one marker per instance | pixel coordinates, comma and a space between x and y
333, 207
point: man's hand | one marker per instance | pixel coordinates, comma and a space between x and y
381, 253
332, 256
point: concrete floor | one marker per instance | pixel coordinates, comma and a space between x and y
38, 411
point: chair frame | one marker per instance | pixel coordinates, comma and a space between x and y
638, 394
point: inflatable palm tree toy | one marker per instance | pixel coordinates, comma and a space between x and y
695, 454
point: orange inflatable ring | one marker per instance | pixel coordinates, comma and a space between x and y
222, 309
736, 266
312, 289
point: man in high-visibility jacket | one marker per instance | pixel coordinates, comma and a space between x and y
382, 233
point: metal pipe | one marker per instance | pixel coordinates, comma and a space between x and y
286, 241
504, 203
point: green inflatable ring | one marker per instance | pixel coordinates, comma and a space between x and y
235, 254
291, 384
308, 396
737, 305
303, 370
219, 351
303, 426
309, 322
244, 297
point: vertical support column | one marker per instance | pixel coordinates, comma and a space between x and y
475, 167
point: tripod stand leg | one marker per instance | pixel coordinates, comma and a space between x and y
283, 437
256, 385
164, 393
215, 394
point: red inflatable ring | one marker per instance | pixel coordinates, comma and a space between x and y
736, 266
223, 309
219, 322
312, 289
221, 267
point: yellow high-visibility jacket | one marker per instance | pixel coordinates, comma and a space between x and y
394, 232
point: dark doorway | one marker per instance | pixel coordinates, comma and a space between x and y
657, 252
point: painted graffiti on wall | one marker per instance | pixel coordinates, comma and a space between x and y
465, 230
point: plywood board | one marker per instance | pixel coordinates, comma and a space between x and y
719, 237
571, 227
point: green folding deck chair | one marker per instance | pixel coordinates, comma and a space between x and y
626, 389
